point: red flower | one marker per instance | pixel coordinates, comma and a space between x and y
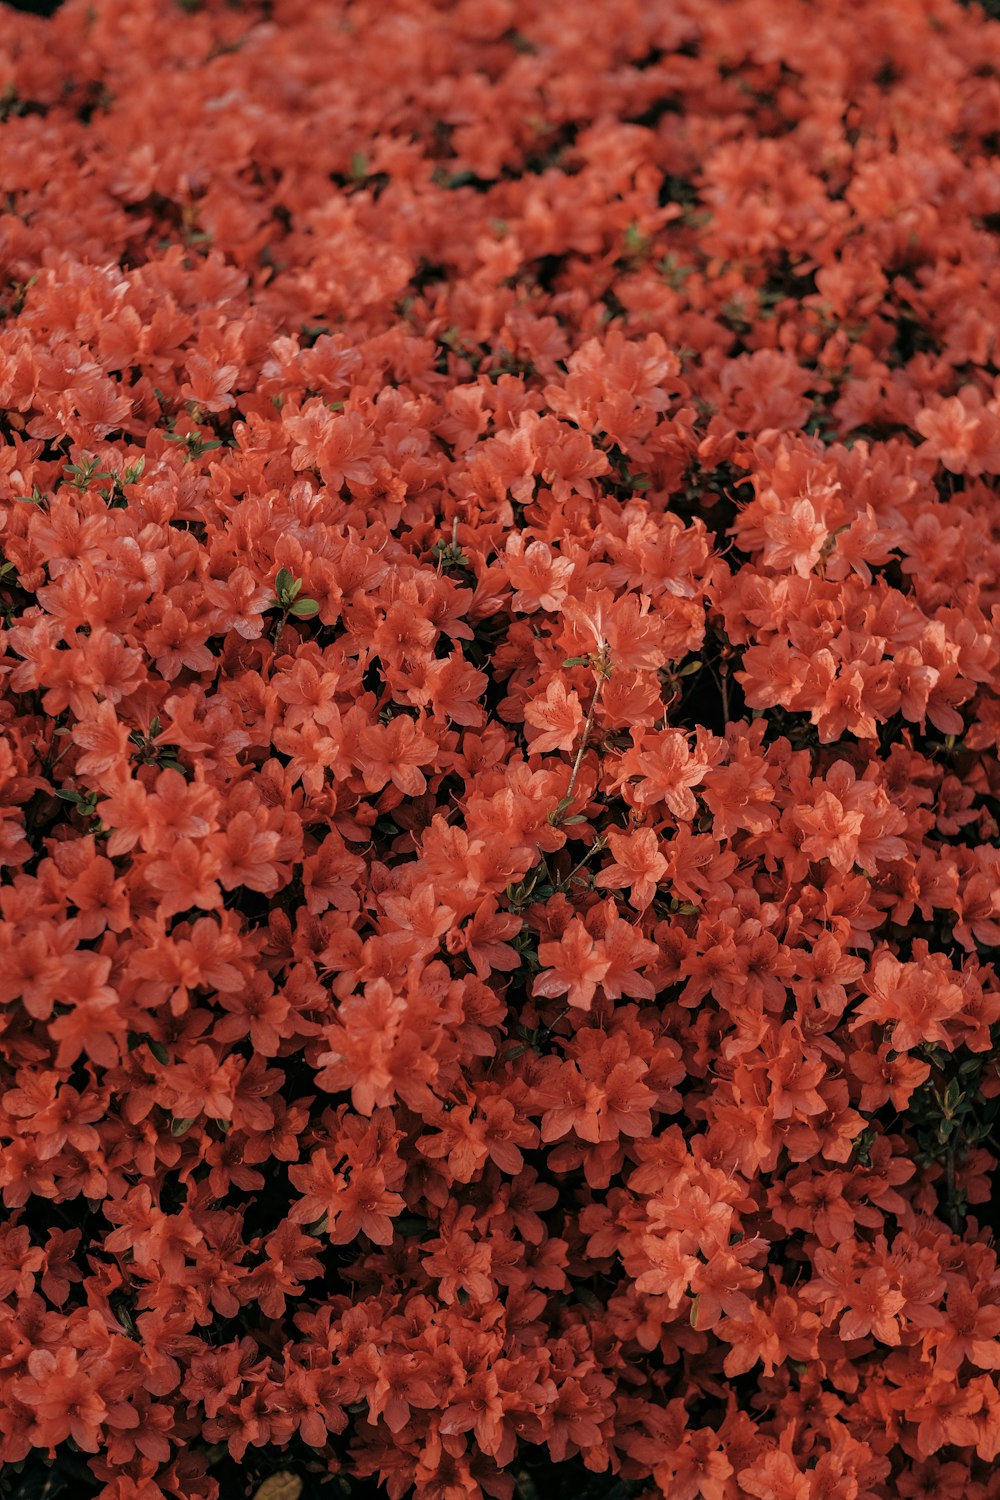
638, 865
558, 718
573, 966
499, 713
63, 1400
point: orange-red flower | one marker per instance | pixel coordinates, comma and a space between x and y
499, 713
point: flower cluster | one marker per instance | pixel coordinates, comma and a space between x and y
499, 783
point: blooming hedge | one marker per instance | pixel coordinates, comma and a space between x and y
498, 782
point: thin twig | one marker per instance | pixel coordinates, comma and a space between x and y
588, 725
954, 1216
595, 848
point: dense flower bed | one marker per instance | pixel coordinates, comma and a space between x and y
499, 784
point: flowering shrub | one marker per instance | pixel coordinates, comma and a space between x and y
499, 782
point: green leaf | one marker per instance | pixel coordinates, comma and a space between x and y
451, 556
159, 1052
124, 1317
181, 1127
952, 1096
304, 609
559, 809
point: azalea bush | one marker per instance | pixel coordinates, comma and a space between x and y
499, 588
